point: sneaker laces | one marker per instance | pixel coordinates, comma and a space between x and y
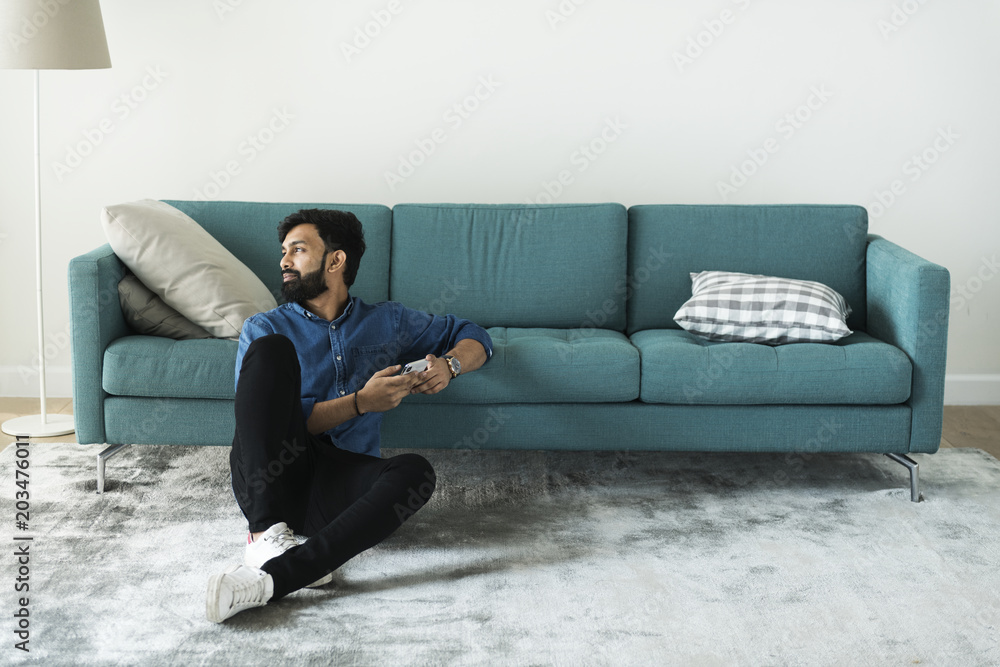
251, 592
284, 540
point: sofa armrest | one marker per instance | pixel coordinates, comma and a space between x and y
908, 304
95, 320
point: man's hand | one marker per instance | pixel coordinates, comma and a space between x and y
435, 378
386, 389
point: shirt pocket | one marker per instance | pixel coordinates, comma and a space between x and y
366, 360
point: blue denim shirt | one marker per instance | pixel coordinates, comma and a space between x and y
339, 357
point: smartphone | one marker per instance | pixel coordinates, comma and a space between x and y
414, 367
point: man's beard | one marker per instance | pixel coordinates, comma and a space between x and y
305, 288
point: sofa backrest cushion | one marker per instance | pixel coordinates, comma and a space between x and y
517, 265
249, 231
826, 244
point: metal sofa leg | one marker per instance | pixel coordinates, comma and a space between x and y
914, 468
102, 458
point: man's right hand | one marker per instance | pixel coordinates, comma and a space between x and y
385, 390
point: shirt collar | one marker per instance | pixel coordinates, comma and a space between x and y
297, 307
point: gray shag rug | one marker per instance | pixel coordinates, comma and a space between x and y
528, 558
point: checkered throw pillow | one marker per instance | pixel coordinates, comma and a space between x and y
740, 307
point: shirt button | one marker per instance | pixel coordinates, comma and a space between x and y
338, 357
342, 392
333, 326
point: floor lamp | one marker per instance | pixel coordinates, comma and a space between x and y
37, 36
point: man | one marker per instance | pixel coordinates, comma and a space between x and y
310, 395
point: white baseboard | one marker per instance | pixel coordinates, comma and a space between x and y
23, 381
972, 389
959, 389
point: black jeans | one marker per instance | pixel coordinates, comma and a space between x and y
341, 501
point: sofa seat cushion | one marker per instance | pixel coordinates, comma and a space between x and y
153, 366
549, 366
681, 368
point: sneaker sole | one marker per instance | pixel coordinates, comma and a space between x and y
212, 599
321, 582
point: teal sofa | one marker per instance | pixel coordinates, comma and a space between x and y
579, 300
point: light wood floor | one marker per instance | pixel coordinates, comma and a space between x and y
964, 426
22, 407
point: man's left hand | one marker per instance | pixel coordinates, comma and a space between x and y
435, 378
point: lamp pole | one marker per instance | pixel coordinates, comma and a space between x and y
69, 36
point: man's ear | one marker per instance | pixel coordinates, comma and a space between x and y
337, 260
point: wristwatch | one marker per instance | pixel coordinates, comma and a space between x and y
454, 365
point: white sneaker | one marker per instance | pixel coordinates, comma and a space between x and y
275, 541
238, 588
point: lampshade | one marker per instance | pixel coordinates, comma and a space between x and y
52, 34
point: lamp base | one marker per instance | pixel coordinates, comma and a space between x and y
34, 427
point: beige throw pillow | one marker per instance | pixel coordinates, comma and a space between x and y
185, 266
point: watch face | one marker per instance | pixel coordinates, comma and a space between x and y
455, 364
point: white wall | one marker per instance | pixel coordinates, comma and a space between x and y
226, 69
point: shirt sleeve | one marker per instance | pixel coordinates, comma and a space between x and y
436, 334
253, 328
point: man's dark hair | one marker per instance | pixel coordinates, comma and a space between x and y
340, 230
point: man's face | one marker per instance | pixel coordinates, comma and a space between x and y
303, 260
